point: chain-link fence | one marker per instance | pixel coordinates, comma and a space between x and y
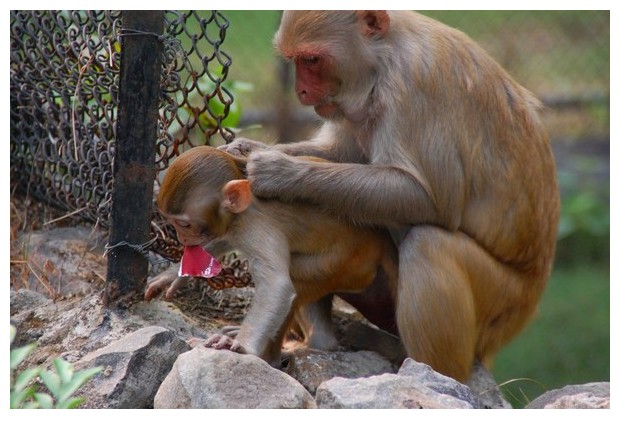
64, 103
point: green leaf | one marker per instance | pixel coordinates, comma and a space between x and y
20, 353
79, 379
18, 397
30, 405
25, 377
88, 373
64, 369
44, 400
13, 331
70, 403
52, 381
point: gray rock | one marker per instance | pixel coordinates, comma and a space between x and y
133, 368
484, 386
590, 395
207, 378
77, 326
312, 367
382, 391
424, 375
168, 315
26, 299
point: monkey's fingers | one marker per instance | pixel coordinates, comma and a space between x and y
214, 339
242, 147
266, 168
161, 282
224, 342
154, 288
176, 284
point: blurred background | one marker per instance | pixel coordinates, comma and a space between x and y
563, 57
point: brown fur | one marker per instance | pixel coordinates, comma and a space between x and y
298, 255
429, 136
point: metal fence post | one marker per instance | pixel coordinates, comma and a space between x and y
134, 159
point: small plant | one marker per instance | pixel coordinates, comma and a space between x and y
61, 383
585, 223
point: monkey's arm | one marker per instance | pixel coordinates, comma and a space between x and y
369, 194
331, 143
263, 328
271, 310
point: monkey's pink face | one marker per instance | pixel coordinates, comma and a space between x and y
316, 84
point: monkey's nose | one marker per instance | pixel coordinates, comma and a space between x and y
304, 97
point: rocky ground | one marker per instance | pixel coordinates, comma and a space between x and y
58, 273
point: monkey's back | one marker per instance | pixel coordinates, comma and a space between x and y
329, 254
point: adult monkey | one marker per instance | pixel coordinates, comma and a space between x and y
433, 136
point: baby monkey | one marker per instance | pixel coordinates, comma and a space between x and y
299, 255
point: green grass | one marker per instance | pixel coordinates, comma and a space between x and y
249, 41
569, 340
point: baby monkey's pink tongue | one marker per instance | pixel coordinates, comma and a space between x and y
196, 262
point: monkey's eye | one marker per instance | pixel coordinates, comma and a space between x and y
183, 224
310, 61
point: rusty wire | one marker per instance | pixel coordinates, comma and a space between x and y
65, 69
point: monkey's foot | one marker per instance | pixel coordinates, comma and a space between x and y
224, 342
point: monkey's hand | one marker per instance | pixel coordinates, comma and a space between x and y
270, 171
243, 147
169, 280
224, 342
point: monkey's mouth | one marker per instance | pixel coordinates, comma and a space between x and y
327, 110
197, 262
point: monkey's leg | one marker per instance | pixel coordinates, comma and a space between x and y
455, 301
376, 303
315, 321
262, 331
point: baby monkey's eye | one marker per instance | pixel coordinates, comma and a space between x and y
183, 224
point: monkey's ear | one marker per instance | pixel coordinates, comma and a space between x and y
236, 196
374, 22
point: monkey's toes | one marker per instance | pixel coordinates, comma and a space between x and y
224, 342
